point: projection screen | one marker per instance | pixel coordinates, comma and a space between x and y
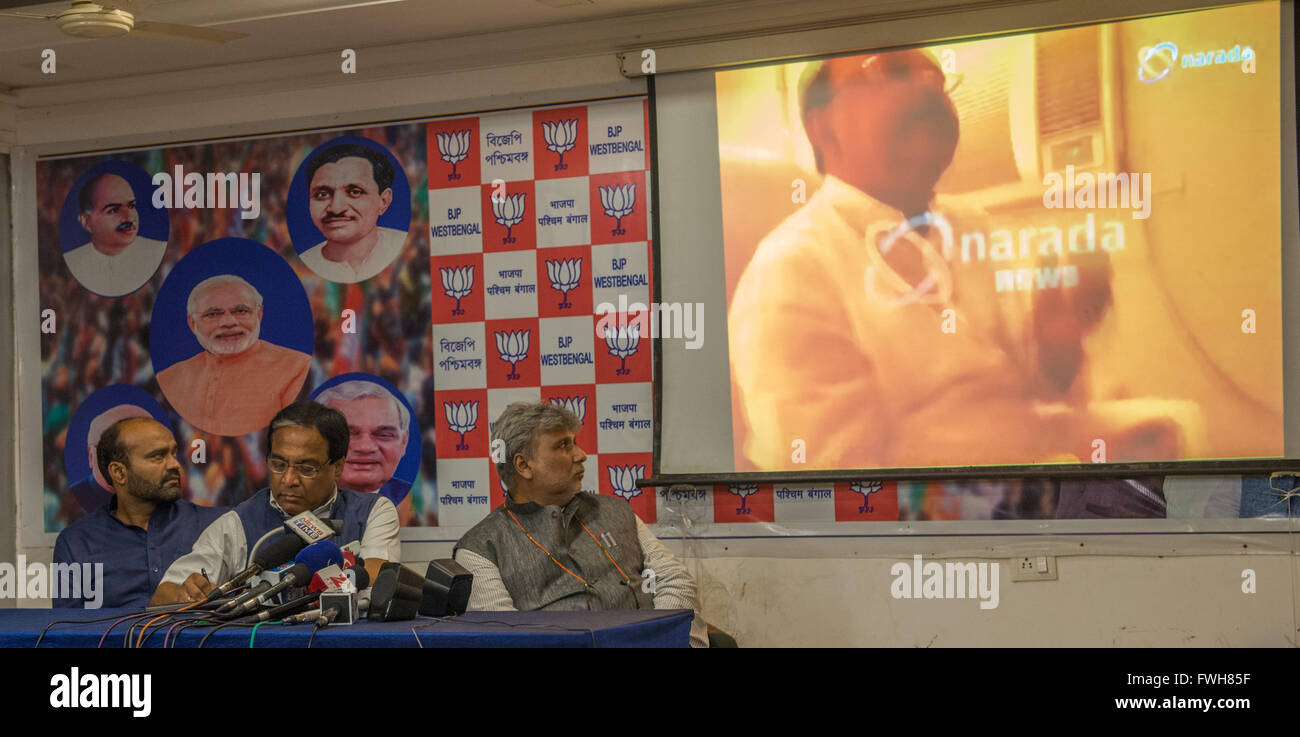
1042, 251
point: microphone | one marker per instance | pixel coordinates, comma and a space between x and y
360, 578
351, 552
446, 589
311, 529
343, 604
333, 606
329, 578
310, 559
293, 577
318, 555
277, 553
250, 595
396, 594
306, 616
283, 609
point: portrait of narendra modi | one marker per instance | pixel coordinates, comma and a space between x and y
238, 381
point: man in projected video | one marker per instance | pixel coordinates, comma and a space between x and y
858, 330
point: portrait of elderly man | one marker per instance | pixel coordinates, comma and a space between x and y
349, 186
237, 383
116, 260
836, 330
551, 546
378, 425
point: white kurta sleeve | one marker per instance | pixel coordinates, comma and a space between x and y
488, 593
220, 551
674, 587
383, 540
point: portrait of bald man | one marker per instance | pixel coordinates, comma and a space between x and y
237, 383
116, 260
349, 186
378, 425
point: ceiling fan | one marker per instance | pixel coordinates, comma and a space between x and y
87, 19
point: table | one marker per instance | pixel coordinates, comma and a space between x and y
617, 628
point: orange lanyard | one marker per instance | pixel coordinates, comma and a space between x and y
561, 565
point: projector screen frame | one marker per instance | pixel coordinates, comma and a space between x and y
1286, 465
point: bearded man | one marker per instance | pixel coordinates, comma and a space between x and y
237, 383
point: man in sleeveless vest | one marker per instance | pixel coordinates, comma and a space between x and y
551, 546
306, 446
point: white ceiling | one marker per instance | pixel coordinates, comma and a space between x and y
460, 34
284, 28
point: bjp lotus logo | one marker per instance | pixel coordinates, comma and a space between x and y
462, 417
453, 147
509, 212
744, 491
866, 489
624, 478
457, 282
560, 137
512, 346
618, 202
576, 405
564, 275
623, 342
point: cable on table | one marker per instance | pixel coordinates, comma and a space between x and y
521, 625
254, 633
47, 627
222, 626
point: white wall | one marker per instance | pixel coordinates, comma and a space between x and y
837, 594
1097, 602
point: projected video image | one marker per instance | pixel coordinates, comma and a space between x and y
1055, 247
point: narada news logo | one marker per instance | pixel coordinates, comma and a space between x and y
1156, 62
77, 690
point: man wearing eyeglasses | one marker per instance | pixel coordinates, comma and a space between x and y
306, 448
859, 331
238, 381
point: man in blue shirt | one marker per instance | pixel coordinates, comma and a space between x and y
143, 528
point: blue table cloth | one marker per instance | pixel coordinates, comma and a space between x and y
618, 628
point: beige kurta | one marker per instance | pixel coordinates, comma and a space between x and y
235, 395
823, 354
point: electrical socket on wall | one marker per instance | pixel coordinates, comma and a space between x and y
1033, 568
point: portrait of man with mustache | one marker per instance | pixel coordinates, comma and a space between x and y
117, 260
349, 187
